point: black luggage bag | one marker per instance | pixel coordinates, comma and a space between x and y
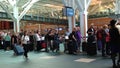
84, 46
70, 47
91, 49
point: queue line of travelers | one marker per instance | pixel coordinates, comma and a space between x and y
106, 38
53, 39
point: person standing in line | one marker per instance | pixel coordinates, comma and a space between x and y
67, 32
99, 38
38, 40
114, 43
91, 34
25, 43
7, 40
47, 38
107, 39
74, 40
14, 41
66, 40
32, 41
56, 41
103, 40
51, 39
79, 36
1, 41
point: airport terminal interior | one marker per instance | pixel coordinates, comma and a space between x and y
59, 16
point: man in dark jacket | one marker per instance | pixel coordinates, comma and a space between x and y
114, 43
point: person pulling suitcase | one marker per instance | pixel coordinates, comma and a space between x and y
25, 43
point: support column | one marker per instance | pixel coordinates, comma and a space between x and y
70, 19
83, 23
73, 17
16, 23
83, 6
16, 17
70, 24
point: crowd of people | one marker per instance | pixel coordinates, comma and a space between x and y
106, 39
30, 41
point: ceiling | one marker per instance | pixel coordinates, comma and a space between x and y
101, 6
52, 8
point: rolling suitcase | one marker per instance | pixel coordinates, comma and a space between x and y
84, 46
92, 49
18, 50
70, 47
44, 46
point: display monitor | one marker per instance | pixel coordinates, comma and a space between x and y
68, 11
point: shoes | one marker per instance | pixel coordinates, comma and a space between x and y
26, 58
114, 66
118, 64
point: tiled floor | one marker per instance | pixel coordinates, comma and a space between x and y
53, 60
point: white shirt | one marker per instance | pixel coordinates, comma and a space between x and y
38, 38
25, 39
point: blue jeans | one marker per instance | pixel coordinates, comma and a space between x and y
99, 44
